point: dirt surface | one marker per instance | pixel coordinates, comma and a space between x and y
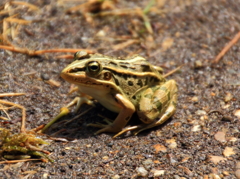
200, 141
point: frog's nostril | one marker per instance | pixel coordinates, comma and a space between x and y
74, 70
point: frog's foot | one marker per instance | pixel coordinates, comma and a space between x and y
126, 130
63, 111
105, 127
79, 101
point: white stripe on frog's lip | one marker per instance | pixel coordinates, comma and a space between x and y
80, 79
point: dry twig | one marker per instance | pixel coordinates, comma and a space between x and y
173, 71
14, 105
23, 112
16, 161
226, 48
39, 52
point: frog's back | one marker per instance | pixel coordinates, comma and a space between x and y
134, 64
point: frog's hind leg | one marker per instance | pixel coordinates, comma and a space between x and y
139, 128
167, 114
160, 103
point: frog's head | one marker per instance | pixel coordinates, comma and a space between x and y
87, 69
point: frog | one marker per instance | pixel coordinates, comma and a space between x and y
125, 86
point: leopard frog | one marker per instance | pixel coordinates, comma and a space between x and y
123, 86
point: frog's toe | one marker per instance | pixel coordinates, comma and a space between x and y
125, 130
105, 127
137, 132
108, 128
108, 121
98, 125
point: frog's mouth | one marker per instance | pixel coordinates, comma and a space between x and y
79, 79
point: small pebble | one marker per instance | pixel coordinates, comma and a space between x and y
45, 76
160, 148
214, 176
158, 173
200, 112
115, 177
141, 171
226, 173
101, 33
228, 151
147, 163
195, 99
88, 145
171, 143
196, 128
238, 165
110, 144
237, 113
198, 64
220, 136
228, 97
216, 159
237, 173
45, 175
105, 157
176, 177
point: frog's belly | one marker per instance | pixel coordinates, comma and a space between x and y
102, 96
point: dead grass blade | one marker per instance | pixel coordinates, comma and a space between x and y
125, 44
16, 161
173, 71
30, 6
226, 48
11, 94
23, 129
39, 52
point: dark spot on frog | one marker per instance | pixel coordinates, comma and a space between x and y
145, 68
146, 82
156, 80
130, 83
140, 83
124, 63
114, 64
116, 81
124, 66
125, 76
119, 74
151, 79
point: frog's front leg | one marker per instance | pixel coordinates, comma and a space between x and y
81, 99
127, 109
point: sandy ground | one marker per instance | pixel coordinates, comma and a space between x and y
200, 141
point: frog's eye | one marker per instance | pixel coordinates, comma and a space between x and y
81, 55
93, 67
